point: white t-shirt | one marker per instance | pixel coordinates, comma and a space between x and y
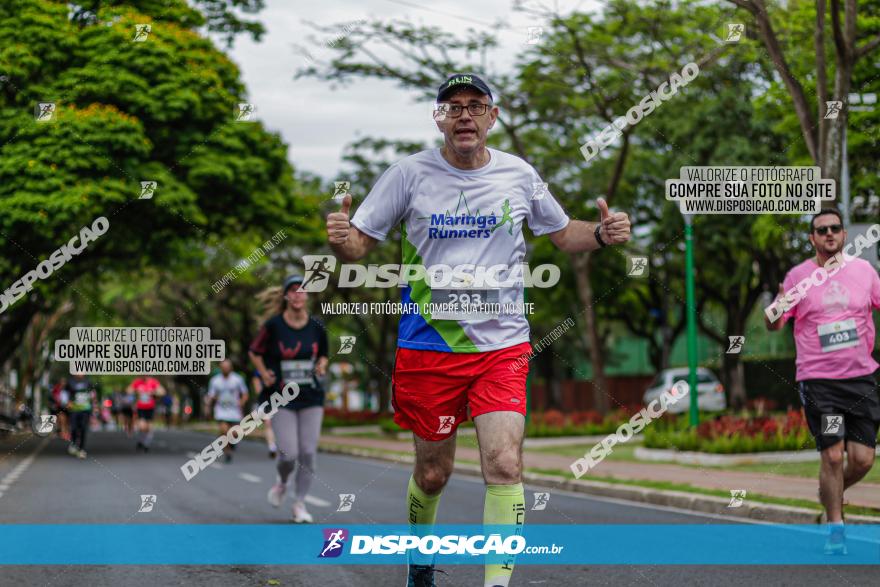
228, 392
451, 216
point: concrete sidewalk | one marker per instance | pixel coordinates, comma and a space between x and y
863, 494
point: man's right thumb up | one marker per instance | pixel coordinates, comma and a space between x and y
346, 204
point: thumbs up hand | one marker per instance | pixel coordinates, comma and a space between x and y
338, 225
615, 226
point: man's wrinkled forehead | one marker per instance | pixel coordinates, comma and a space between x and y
466, 96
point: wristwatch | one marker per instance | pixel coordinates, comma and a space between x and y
599, 240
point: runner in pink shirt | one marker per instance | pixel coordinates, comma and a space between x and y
834, 337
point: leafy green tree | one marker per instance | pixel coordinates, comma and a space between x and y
162, 109
844, 34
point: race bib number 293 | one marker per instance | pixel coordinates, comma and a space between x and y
465, 304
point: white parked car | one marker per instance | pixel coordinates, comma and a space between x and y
710, 392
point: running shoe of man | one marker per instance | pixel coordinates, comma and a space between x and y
72, 450
81, 454
422, 576
836, 542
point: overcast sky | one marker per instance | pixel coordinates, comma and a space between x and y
316, 121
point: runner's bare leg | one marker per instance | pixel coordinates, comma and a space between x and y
434, 463
831, 481
859, 460
500, 436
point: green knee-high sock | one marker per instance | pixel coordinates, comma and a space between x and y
505, 504
421, 512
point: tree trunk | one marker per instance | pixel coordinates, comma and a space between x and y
733, 373
581, 263
668, 339
833, 158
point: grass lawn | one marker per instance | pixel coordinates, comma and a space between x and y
620, 452
687, 488
373, 435
661, 485
627, 453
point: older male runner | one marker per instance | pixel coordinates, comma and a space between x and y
448, 203
834, 337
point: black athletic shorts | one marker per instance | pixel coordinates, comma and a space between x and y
145, 414
841, 409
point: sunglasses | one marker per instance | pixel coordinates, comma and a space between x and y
823, 230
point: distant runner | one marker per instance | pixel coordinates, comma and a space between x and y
292, 347
83, 400
834, 338
146, 389
228, 393
126, 409
449, 204
58, 400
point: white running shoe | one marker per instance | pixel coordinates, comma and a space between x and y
72, 450
276, 494
82, 454
300, 514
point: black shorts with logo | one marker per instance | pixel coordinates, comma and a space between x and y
841, 409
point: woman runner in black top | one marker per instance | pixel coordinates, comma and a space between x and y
291, 347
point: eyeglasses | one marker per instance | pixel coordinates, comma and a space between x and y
455, 110
823, 230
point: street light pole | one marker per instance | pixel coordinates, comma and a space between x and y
691, 309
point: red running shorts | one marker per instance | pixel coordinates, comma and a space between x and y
433, 392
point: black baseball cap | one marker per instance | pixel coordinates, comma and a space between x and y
462, 80
292, 280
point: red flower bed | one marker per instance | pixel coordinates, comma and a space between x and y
585, 417
553, 418
727, 426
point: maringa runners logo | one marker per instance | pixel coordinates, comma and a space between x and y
467, 224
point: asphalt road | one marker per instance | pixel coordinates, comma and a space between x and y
47, 486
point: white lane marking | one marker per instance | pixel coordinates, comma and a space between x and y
216, 466
317, 501
13, 475
191, 454
249, 477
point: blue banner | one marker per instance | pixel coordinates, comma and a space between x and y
246, 544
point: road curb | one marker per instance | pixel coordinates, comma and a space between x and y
708, 504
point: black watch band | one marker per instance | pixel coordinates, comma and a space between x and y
599, 240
